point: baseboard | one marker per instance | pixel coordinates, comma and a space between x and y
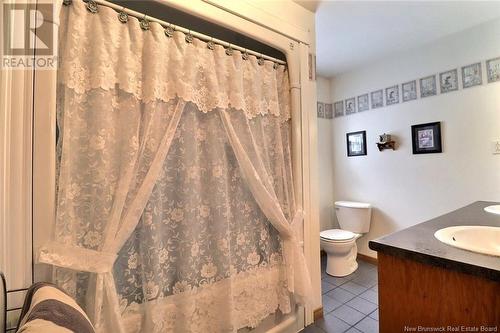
359, 256
368, 259
318, 314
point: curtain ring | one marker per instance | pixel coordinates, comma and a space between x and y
229, 50
245, 55
144, 23
275, 65
211, 44
122, 16
92, 7
260, 61
169, 31
189, 37
67, 2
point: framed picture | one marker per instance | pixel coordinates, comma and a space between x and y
409, 90
493, 69
338, 109
471, 75
426, 138
392, 95
350, 106
428, 86
321, 110
363, 103
328, 110
356, 143
448, 81
377, 99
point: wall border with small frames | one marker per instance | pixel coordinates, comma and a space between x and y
450, 80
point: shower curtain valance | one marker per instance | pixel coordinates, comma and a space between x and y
99, 51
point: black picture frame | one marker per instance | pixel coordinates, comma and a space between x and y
426, 138
354, 146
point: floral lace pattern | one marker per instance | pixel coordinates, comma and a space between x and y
175, 208
201, 224
254, 295
98, 51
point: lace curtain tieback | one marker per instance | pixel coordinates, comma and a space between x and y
76, 258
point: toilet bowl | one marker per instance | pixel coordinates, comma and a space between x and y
340, 244
341, 250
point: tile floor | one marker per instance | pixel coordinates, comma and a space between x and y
350, 303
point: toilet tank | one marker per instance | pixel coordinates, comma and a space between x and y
354, 216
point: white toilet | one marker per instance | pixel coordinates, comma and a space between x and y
340, 244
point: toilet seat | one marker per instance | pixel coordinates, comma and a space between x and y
337, 235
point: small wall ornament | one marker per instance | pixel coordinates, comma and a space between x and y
386, 142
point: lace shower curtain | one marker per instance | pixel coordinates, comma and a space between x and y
175, 205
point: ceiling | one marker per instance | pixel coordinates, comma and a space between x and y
355, 33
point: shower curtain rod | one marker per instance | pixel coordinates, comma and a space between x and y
206, 38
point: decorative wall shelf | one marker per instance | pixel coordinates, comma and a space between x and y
386, 145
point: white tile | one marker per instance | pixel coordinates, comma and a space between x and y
330, 304
340, 294
326, 287
337, 281
362, 305
332, 324
367, 325
353, 330
374, 315
348, 314
365, 281
354, 287
370, 295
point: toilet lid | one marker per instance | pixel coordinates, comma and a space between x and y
337, 235
352, 204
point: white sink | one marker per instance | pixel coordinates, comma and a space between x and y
478, 239
495, 209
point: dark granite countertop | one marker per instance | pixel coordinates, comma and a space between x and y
418, 242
